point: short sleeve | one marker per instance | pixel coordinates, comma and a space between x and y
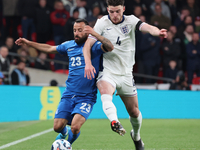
98, 26
62, 48
134, 21
96, 48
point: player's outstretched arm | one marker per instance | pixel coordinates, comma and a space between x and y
89, 69
154, 30
41, 47
106, 47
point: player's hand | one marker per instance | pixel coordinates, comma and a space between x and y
89, 71
21, 41
163, 33
88, 29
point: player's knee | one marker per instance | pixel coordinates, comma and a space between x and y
57, 127
75, 128
103, 91
134, 112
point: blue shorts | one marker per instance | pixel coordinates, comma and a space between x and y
69, 106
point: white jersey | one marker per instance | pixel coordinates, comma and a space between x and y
121, 60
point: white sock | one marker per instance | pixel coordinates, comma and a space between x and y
108, 107
136, 124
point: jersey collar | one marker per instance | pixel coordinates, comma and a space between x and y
118, 23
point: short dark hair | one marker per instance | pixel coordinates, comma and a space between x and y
75, 10
115, 2
82, 20
20, 61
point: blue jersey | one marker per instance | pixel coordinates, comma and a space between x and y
76, 83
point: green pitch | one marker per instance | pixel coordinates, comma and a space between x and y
157, 134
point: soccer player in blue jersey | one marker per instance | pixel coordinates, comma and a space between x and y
80, 94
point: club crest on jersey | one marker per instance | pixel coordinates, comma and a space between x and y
124, 29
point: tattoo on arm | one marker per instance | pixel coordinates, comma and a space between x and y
106, 43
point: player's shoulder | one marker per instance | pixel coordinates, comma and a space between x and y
130, 18
68, 42
104, 20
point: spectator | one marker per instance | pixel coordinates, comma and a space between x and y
68, 4
171, 51
41, 63
1, 78
164, 11
193, 8
12, 19
94, 16
187, 34
85, 6
24, 56
27, 9
137, 11
142, 4
69, 32
4, 63
181, 17
11, 48
32, 52
173, 30
193, 57
59, 18
171, 71
43, 22
180, 82
101, 3
186, 37
19, 75
80, 5
173, 10
197, 24
146, 8
150, 46
159, 19
187, 21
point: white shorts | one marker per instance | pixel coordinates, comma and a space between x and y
124, 84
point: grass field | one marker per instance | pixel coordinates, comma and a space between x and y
96, 135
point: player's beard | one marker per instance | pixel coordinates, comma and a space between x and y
80, 40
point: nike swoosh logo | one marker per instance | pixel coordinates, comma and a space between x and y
108, 108
108, 28
71, 49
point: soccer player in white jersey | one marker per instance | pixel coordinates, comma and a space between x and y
118, 65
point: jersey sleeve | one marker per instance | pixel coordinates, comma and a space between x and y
99, 26
135, 22
62, 48
96, 48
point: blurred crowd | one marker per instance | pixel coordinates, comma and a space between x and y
51, 22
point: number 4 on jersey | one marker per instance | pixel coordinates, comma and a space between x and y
118, 41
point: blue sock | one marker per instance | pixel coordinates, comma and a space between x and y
72, 137
63, 131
